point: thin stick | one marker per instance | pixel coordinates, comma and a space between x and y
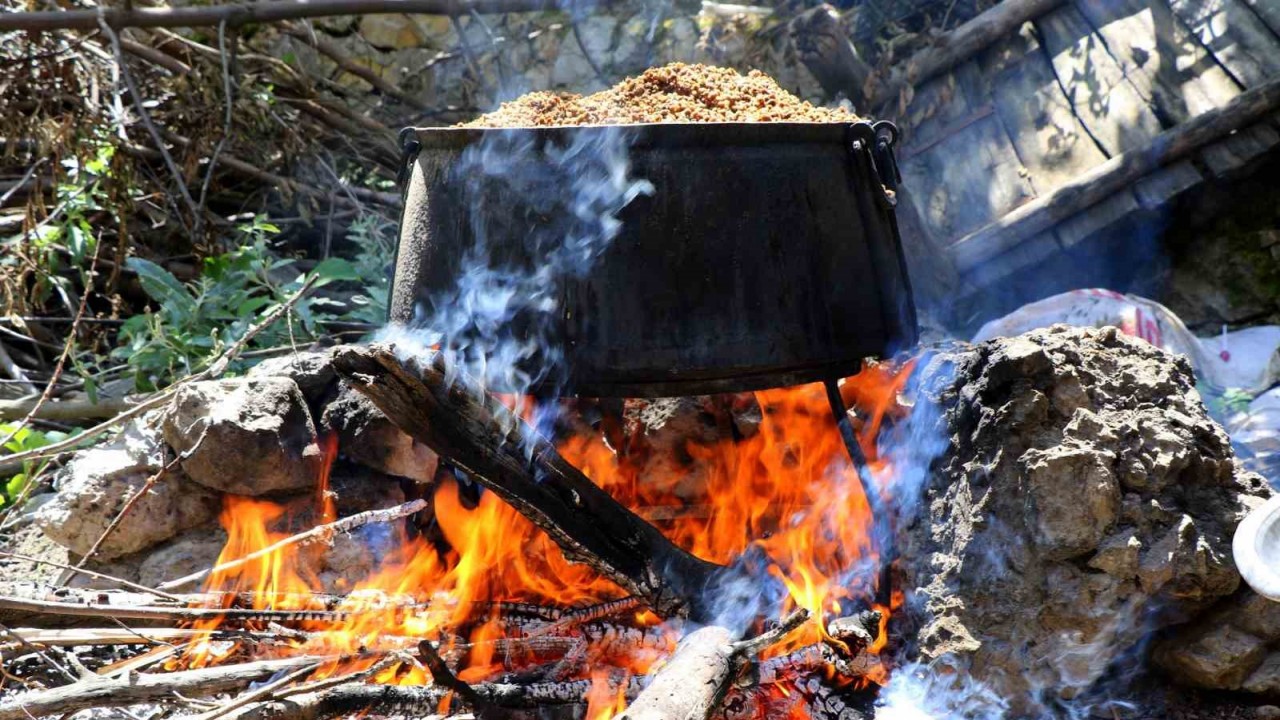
31, 171
49, 607
265, 691
214, 370
16, 372
333, 52
90, 573
441, 675
315, 534
66, 410
57, 374
757, 644
72, 637
145, 116
229, 102
133, 499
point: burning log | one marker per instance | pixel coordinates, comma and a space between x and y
422, 701
443, 409
692, 684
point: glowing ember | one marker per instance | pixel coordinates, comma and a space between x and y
786, 497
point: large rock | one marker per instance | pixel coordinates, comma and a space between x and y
97, 483
366, 436
1234, 647
247, 436
1081, 487
312, 370
191, 552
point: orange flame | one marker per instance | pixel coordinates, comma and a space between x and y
786, 493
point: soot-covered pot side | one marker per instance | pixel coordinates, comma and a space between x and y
762, 254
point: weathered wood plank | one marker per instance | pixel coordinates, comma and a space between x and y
1239, 149
936, 110
1253, 106
1082, 225
1029, 253
1164, 184
1159, 55
962, 44
1104, 100
967, 181
1268, 11
963, 171
1050, 140
933, 276
1235, 36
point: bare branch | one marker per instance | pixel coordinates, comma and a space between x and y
256, 12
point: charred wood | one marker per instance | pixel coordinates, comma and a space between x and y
420, 701
446, 411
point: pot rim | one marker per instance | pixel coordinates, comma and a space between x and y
661, 134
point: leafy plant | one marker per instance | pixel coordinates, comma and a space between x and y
195, 322
375, 240
23, 439
66, 232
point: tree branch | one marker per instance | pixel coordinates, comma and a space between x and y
238, 14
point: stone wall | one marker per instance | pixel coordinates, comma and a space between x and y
460, 69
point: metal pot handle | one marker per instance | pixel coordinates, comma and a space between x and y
878, 141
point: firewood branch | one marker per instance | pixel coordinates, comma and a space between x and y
139, 688
238, 14
446, 411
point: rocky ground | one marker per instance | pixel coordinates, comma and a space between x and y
1075, 520
1084, 501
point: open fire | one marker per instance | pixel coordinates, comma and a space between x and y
498, 601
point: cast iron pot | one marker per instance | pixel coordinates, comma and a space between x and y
765, 254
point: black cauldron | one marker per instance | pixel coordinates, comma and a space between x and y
764, 254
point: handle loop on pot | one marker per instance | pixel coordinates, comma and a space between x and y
409, 147
877, 141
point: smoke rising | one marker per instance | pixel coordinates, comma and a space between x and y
542, 210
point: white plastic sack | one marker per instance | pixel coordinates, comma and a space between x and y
1255, 435
1244, 360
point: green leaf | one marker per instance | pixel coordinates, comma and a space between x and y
91, 389
15, 486
335, 270
80, 241
163, 287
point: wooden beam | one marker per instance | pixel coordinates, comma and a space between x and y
253, 12
962, 44
1106, 179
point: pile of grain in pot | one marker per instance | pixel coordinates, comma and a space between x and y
675, 93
